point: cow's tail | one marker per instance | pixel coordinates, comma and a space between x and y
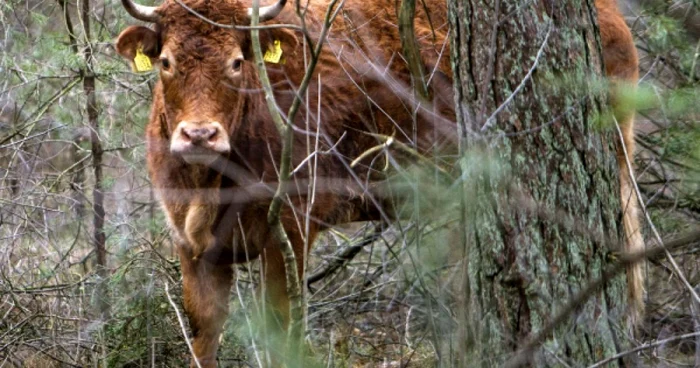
634, 241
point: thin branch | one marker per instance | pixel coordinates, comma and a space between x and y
659, 241
639, 348
492, 119
388, 141
42, 110
182, 325
532, 343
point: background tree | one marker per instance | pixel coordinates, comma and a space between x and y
545, 221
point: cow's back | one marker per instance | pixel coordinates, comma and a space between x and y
364, 78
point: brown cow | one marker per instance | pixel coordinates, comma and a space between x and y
213, 150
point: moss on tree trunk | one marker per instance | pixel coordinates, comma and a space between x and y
543, 223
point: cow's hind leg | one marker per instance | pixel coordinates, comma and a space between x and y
206, 290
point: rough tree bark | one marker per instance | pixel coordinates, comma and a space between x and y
542, 224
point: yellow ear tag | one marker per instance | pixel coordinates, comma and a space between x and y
142, 63
274, 53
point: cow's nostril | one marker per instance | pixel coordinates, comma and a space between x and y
186, 135
211, 134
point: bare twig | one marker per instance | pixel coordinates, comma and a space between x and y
492, 119
388, 141
659, 241
182, 325
639, 348
534, 341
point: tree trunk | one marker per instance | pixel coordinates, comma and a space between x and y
98, 209
542, 220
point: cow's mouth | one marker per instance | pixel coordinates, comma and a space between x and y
198, 155
199, 143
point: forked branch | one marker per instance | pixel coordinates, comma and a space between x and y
287, 134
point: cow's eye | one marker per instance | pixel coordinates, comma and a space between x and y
165, 64
236, 65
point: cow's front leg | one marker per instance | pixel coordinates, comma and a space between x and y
274, 283
206, 290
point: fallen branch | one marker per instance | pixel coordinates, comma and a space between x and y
343, 257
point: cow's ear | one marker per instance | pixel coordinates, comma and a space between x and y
285, 38
135, 37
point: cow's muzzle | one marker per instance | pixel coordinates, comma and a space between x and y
199, 142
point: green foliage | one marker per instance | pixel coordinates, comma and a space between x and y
143, 326
665, 34
682, 104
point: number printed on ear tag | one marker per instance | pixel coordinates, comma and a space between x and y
274, 53
142, 63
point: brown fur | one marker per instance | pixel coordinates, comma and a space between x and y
219, 213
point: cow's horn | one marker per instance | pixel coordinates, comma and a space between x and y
141, 12
269, 12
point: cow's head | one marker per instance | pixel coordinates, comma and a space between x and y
204, 68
